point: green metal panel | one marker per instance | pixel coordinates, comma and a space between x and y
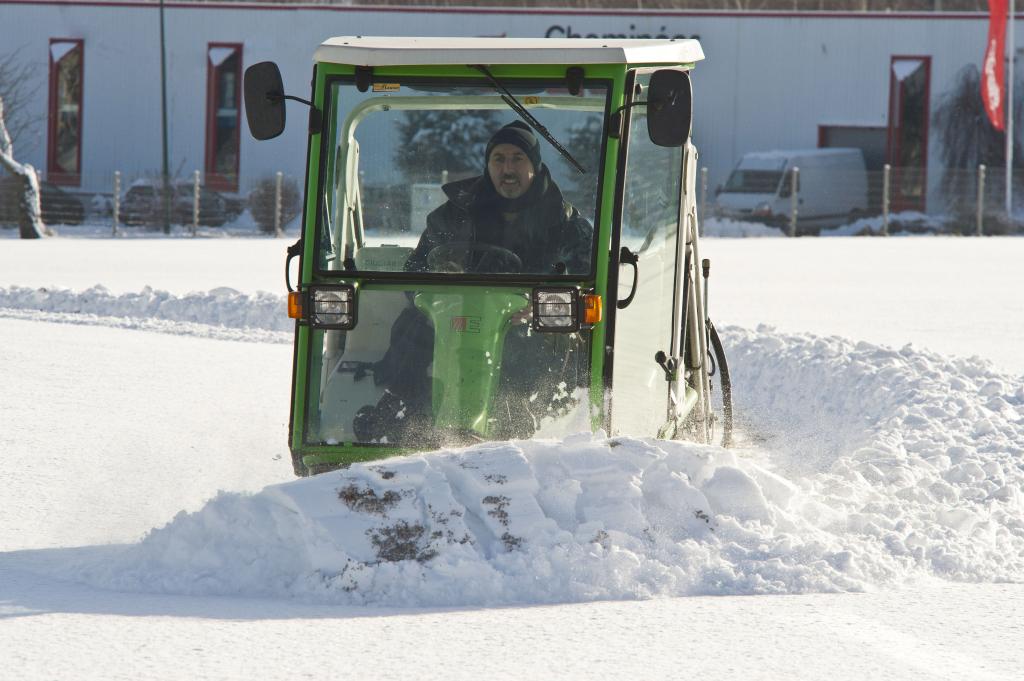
604, 245
500, 70
306, 271
467, 366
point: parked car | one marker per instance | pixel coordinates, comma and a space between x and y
832, 188
142, 204
59, 206
233, 207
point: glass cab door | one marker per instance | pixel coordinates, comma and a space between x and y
651, 185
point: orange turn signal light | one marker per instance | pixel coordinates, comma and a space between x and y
295, 304
593, 308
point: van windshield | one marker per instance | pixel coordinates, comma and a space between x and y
753, 181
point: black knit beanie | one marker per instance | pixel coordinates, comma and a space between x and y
520, 135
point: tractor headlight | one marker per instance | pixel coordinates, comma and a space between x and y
332, 307
556, 309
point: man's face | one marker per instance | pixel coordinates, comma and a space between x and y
510, 170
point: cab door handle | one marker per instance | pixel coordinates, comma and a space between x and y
628, 257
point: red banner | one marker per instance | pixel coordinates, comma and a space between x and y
993, 76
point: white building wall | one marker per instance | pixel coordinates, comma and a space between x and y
768, 81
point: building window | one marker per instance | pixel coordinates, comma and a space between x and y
64, 128
223, 114
909, 95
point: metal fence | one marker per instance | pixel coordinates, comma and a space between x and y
121, 204
797, 202
891, 200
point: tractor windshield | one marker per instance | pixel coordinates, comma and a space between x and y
419, 179
454, 247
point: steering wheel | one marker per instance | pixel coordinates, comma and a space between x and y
493, 259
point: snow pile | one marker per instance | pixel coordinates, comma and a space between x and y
523, 522
914, 454
903, 223
727, 227
872, 466
222, 312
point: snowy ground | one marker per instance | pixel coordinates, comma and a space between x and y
955, 295
872, 527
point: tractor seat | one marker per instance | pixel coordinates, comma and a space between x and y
383, 258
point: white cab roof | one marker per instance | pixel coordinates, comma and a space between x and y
372, 51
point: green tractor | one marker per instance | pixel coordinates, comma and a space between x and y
499, 241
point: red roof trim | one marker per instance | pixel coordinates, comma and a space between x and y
419, 9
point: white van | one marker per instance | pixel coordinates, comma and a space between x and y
832, 188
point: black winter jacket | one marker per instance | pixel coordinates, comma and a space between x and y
547, 233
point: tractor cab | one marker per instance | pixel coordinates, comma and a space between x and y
499, 241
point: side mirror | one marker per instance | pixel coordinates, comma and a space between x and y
669, 108
264, 100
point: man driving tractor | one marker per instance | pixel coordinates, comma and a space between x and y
510, 219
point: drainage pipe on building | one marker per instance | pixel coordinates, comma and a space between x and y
794, 199
116, 208
279, 180
195, 202
703, 198
980, 220
886, 172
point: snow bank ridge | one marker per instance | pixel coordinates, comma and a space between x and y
871, 466
224, 308
524, 522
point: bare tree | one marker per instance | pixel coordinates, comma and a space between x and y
967, 138
30, 213
434, 141
18, 87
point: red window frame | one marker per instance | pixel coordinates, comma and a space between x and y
54, 173
214, 179
892, 144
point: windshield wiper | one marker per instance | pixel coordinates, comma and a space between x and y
514, 104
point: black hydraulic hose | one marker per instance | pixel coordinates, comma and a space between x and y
686, 310
723, 378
